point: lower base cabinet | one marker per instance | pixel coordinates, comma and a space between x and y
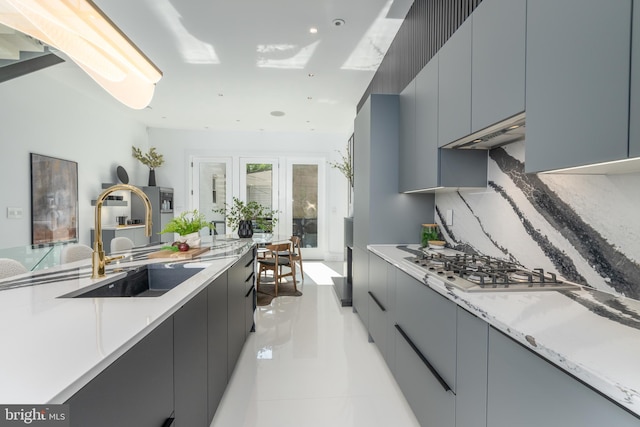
190, 361
134, 391
217, 342
361, 284
524, 390
177, 373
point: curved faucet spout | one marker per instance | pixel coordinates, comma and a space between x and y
99, 260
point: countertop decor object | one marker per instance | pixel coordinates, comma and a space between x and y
430, 236
190, 254
187, 225
152, 159
122, 174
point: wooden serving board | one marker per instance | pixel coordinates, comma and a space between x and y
166, 253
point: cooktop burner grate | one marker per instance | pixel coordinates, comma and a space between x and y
476, 273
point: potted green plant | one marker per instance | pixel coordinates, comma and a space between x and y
240, 215
187, 225
152, 159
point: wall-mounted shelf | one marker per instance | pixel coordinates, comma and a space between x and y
111, 203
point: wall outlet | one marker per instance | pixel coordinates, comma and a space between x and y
449, 216
14, 213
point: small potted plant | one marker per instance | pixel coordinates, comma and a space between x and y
187, 225
239, 216
151, 159
430, 237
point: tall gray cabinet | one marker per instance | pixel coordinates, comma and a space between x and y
161, 199
381, 214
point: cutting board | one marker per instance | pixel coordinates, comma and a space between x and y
191, 253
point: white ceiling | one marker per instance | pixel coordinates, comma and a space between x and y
228, 64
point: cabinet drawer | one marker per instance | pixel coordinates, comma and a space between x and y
430, 320
431, 403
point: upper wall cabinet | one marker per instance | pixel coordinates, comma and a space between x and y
454, 101
634, 129
498, 61
577, 82
422, 164
382, 214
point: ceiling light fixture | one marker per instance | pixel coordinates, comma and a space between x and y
80, 30
277, 113
313, 30
311, 74
338, 22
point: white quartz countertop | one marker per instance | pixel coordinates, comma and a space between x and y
52, 347
592, 335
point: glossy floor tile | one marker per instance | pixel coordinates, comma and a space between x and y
309, 364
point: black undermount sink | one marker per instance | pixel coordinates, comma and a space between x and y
151, 280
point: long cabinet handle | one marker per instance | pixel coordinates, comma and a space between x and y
249, 263
376, 301
168, 422
250, 290
249, 278
435, 373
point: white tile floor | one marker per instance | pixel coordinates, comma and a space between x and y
309, 364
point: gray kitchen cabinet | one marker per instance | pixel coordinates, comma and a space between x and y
471, 375
161, 199
426, 160
190, 362
407, 143
217, 347
498, 61
381, 213
577, 82
524, 390
135, 390
239, 274
361, 284
634, 124
248, 260
425, 351
381, 302
424, 164
454, 100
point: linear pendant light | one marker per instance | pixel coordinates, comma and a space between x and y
84, 33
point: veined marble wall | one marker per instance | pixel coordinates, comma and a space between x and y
583, 227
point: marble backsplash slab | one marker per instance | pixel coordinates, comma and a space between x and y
583, 227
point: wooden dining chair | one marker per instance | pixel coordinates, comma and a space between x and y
296, 254
275, 263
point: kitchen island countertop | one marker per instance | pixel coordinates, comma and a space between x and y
52, 347
592, 335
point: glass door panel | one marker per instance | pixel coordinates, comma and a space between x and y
259, 183
211, 190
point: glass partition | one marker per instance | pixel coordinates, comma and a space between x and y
35, 257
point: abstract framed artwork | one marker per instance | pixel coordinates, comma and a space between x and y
54, 200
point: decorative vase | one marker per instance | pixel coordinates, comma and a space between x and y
245, 229
152, 177
192, 239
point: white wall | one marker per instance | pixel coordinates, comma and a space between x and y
179, 146
40, 114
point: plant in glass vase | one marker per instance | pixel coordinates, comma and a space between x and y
152, 159
187, 225
240, 216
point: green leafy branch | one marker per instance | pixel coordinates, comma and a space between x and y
152, 159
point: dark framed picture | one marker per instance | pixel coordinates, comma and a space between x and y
54, 200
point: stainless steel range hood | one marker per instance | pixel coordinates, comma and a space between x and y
505, 132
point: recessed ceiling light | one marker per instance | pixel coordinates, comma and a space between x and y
311, 74
309, 97
313, 30
221, 94
277, 113
338, 22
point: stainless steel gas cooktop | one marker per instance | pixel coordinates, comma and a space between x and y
479, 273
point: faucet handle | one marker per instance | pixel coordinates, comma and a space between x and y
108, 259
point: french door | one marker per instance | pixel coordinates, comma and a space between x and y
293, 186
